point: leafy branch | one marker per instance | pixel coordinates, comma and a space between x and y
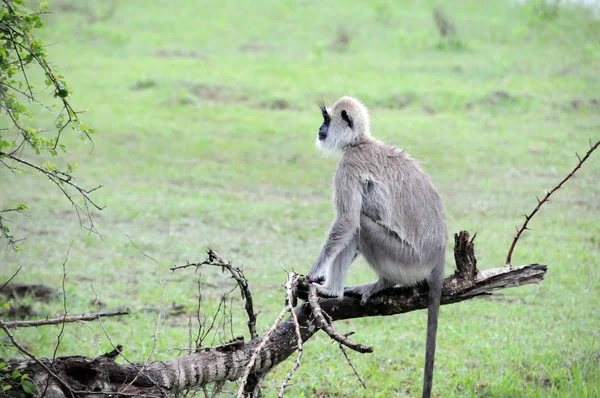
19, 51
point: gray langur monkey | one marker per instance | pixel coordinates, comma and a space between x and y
388, 210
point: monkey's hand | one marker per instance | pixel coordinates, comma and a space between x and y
320, 279
301, 287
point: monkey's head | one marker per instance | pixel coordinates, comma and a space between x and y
344, 124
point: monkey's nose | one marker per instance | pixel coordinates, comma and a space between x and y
322, 135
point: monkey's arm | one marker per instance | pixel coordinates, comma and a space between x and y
348, 205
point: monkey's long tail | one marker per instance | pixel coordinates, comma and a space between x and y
433, 309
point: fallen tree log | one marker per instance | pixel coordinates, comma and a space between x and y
78, 375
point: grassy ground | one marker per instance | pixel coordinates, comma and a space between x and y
206, 119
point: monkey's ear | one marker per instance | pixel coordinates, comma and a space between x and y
347, 119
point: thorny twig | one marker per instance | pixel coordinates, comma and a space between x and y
289, 287
237, 274
328, 326
529, 216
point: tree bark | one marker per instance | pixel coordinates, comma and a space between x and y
228, 362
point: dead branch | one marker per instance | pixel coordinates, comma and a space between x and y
51, 377
464, 255
328, 327
249, 362
211, 365
238, 275
529, 216
62, 319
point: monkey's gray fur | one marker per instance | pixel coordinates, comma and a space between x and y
388, 210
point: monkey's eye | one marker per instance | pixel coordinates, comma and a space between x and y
347, 119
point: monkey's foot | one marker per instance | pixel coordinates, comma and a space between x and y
326, 291
364, 291
367, 290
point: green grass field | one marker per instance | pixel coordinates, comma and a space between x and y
206, 119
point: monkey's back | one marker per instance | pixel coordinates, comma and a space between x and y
398, 194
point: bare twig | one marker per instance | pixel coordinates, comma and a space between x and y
361, 381
238, 275
106, 334
201, 322
176, 267
328, 327
64, 293
61, 320
203, 331
154, 341
138, 249
28, 96
529, 216
60, 179
11, 278
57, 177
289, 287
118, 350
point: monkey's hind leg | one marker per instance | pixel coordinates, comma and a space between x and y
368, 289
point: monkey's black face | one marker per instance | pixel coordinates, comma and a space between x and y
326, 121
323, 131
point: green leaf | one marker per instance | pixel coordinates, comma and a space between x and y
27, 386
49, 166
6, 388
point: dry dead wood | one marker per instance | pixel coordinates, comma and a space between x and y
229, 362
